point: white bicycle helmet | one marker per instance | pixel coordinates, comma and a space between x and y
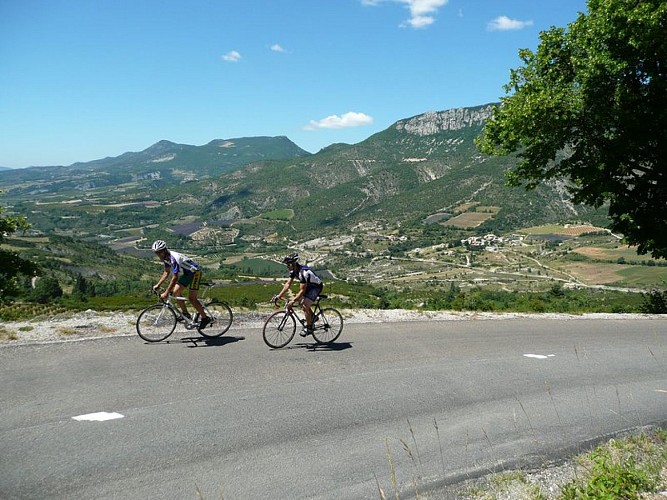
159, 245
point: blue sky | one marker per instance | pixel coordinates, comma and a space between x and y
86, 79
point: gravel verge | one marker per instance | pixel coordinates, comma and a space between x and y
92, 324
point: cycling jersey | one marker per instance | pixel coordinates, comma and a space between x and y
306, 275
178, 262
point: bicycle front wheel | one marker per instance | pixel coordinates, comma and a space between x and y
156, 323
221, 319
328, 327
279, 329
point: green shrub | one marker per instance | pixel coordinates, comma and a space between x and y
626, 468
610, 480
655, 302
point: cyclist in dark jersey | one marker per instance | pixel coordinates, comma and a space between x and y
185, 272
310, 287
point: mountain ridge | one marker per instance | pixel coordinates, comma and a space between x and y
166, 160
422, 168
415, 168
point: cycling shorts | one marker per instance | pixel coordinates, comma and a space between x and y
312, 291
190, 280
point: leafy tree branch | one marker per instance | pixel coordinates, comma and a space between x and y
590, 106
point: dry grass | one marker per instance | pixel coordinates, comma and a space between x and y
67, 330
599, 274
571, 231
468, 219
613, 254
6, 334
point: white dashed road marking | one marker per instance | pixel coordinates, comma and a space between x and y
98, 417
539, 356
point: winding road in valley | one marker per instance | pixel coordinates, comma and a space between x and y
441, 401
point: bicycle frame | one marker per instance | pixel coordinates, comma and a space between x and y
190, 323
157, 322
280, 327
315, 308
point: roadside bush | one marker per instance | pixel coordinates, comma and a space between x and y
655, 302
46, 289
626, 468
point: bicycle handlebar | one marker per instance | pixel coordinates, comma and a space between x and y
274, 300
159, 296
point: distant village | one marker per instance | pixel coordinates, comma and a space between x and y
491, 242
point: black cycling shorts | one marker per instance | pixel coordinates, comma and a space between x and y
312, 291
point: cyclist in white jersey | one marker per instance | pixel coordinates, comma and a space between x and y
310, 288
185, 272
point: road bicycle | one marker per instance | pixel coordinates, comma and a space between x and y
158, 322
280, 327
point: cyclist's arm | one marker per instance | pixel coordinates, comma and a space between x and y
162, 279
288, 284
300, 293
170, 287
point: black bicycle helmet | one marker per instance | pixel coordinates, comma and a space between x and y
291, 258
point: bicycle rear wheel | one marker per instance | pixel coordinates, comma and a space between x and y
328, 326
279, 329
221, 319
156, 323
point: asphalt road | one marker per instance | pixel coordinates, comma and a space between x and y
437, 401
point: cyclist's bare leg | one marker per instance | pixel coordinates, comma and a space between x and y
306, 304
178, 292
195, 302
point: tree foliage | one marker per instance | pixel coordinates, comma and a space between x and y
46, 290
590, 106
11, 264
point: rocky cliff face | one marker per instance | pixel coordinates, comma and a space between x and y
453, 119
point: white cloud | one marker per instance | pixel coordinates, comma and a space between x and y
504, 23
276, 47
418, 22
421, 11
420, 7
232, 56
347, 120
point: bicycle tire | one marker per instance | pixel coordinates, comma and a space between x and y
156, 323
221, 319
279, 329
328, 327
